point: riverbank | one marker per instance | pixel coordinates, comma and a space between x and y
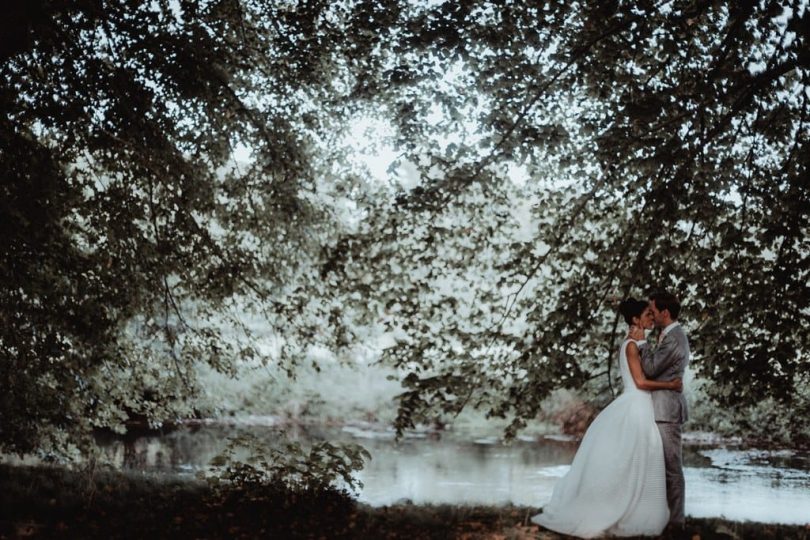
45, 502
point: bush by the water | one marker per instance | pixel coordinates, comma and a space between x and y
288, 464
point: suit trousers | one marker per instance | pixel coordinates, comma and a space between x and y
673, 463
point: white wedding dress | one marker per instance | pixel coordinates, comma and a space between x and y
616, 484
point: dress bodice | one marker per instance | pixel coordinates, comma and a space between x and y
627, 377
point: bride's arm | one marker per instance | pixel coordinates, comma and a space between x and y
642, 382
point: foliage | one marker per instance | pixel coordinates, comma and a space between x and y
52, 502
131, 239
564, 154
664, 146
747, 421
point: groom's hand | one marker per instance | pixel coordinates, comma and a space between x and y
636, 333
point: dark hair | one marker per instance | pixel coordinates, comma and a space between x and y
667, 301
632, 308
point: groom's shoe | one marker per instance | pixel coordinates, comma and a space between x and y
675, 530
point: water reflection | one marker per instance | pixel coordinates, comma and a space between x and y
733, 483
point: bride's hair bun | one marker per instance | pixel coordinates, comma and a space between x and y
630, 308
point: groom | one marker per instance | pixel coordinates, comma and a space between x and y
665, 361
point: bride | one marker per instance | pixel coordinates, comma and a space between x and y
616, 484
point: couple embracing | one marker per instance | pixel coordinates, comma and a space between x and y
627, 475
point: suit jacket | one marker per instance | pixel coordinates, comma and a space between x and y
665, 362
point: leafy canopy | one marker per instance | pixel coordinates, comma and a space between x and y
566, 153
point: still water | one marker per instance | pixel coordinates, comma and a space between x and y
721, 481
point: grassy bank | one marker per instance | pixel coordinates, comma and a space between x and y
55, 503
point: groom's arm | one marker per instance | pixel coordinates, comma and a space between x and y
654, 360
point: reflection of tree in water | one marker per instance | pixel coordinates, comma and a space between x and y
192, 445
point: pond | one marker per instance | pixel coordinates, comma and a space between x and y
721, 481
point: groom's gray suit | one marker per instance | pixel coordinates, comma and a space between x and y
666, 362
